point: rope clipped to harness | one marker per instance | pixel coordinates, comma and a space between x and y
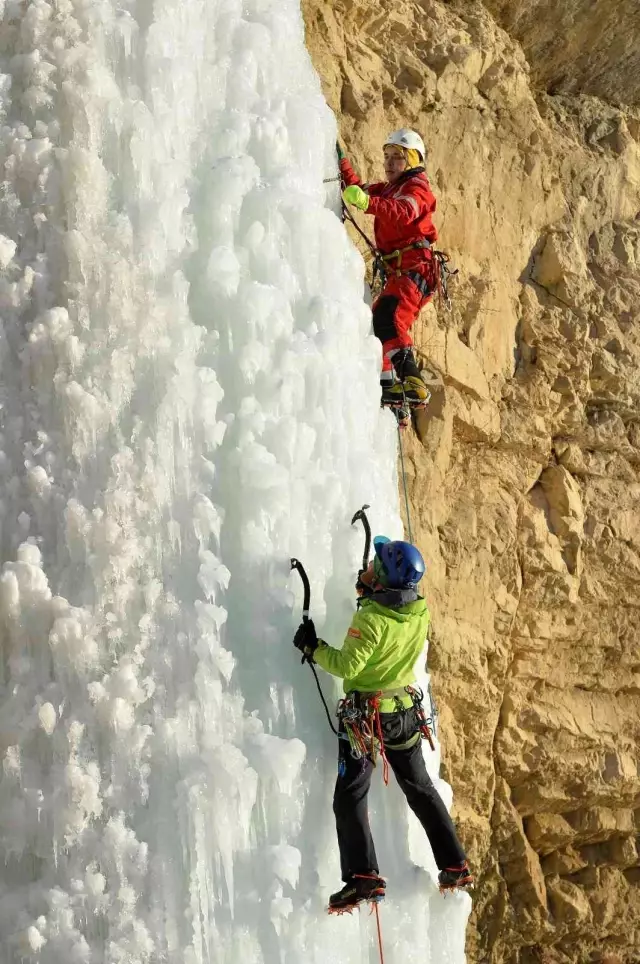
363, 730
378, 726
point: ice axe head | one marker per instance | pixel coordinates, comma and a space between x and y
296, 564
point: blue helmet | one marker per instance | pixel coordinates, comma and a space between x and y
401, 563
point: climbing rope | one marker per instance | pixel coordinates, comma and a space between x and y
324, 702
404, 484
375, 907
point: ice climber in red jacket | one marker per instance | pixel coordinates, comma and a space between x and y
402, 207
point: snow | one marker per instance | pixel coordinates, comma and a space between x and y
187, 400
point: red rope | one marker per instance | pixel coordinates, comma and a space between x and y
366, 732
375, 907
375, 703
426, 732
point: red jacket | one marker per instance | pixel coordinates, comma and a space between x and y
402, 211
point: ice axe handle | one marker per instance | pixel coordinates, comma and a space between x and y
306, 603
361, 515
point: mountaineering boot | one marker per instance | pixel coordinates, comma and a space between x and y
415, 390
358, 888
392, 393
387, 381
404, 363
411, 391
410, 386
451, 878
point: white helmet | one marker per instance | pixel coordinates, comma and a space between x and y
409, 139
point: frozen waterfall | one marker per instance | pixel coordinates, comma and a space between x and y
187, 399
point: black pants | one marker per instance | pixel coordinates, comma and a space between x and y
357, 851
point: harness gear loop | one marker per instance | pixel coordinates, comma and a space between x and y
425, 723
433, 719
380, 270
397, 254
363, 729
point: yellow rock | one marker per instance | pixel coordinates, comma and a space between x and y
524, 475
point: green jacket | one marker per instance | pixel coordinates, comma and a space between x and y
381, 647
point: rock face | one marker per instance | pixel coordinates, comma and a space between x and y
579, 46
525, 471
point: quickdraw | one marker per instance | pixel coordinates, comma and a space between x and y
443, 273
426, 724
363, 729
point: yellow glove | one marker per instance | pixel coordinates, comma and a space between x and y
356, 196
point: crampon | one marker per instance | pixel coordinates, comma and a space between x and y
360, 889
455, 878
403, 408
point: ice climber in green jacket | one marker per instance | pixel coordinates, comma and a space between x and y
379, 716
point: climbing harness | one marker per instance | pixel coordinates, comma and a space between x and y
361, 726
386, 259
382, 269
359, 717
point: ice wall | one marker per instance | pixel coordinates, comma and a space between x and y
187, 398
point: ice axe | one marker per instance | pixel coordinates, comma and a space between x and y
361, 516
306, 603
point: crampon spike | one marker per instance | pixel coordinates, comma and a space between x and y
339, 911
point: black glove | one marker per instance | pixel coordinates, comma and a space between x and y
305, 638
341, 154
